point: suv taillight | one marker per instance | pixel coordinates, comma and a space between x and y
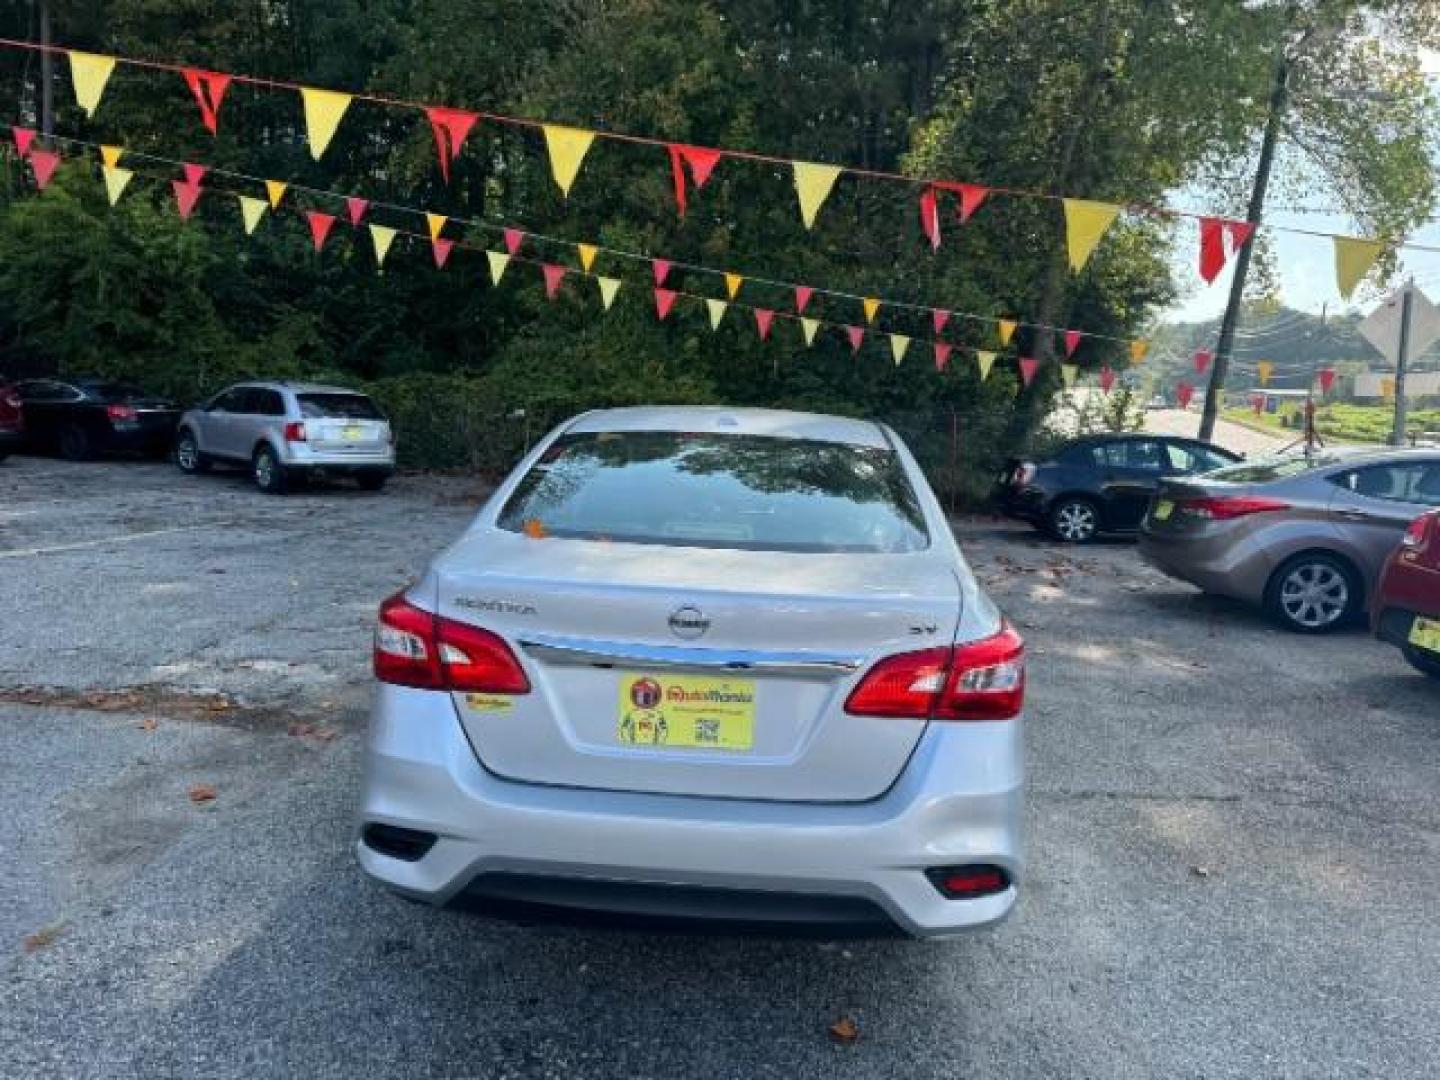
1418, 532
1225, 508
121, 414
420, 649
294, 431
1023, 474
979, 680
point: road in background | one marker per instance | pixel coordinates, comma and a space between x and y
1234, 437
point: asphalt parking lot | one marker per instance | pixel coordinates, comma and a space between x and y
1234, 834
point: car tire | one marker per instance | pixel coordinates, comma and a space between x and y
1314, 593
371, 481
1422, 662
188, 457
75, 443
268, 472
1073, 520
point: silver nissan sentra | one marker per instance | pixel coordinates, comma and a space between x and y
710, 663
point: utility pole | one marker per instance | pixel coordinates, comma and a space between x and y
47, 75
1397, 433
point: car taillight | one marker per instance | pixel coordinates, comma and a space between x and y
1418, 532
420, 649
1023, 474
294, 431
1225, 508
979, 680
121, 414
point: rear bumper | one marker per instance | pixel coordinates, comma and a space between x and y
958, 802
1027, 504
1393, 626
148, 437
1239, 570
299, 456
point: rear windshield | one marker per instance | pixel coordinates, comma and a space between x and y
719, 491
1277, 468
109, 391
337, 406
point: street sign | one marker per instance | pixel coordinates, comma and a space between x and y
1382, 326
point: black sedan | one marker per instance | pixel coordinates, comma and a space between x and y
82, 418
1100, 483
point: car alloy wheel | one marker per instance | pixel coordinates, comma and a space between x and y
187, 454
268, 472
1314, 595
1075, 522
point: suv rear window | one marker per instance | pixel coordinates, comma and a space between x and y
754, 493
338, 407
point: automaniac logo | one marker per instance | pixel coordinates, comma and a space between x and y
645, 693
678, 695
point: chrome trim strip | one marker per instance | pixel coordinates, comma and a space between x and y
609, 653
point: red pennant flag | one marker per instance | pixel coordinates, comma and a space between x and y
802, 298
1240, 232
450, 127
512, 240
186, 195
930, 217
1028, 365
356, 208
1107, 379
661, 269
440, 248
763, 318
44, 162
701, 161
319, 226
1072, 342
1214, 234
554, 275
1327, 379
856, 334
664, 301
194, 174
939, 317
1202, 360
1257, 402
971, 196
1183, 393
942, 354
209, 89
24, 137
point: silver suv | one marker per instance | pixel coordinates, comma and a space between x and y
283, 431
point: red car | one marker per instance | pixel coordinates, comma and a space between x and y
1406, 610
12, 419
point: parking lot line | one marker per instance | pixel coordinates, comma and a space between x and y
124, 538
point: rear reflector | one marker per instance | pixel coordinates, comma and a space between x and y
979, 680
417, 648
968, 882
1229, 507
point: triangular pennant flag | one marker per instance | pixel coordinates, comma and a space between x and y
1068, 372
110, 155
186, 196
24, 139
356, 207
587, 255
1214, 235
440, 250
319, 226
209, 89
44, 162
664, 301
382, 237
567, 146
1138, 349
732, 285
1085, 224
717, 312
90, 73
251, 211
942, 354
1007, 330
1327, 379
871, 306
1353, 259
450, 127
701, 161
802, 298
763, 318
1264, 369
194, 174
115, 180
661, 269
812, 184
1183, 393
984, 361
971, 196
436, 222
276, 190
930, 217
323, 110
1072, 341
498, 261
939, 318
513, 237
899, 343
1202, 360
856, 334
1027, 369
809, 327
554, 275
609, 286
1107, 379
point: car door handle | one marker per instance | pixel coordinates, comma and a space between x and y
1355, 515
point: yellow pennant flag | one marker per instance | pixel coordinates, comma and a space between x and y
813, 183
90, 73
251, 211
898, 344
498, 261
985, 360
382, 237
732, 285
1085, 224
717, 312
808, 327
609, 286
323, 110
1353, 259
1068, 373
587, 256
110, 155
1007, 330
567, 148
871, 306
1138, 349
275, 189
115, 180
436, 223
1265, 369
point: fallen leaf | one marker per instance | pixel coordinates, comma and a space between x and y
300, 729
1200, 871
844, 1030
219, 705
41, 938
201, 793
325, 734
148, 724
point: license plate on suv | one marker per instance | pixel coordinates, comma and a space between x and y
1425, 634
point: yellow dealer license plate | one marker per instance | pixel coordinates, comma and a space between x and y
1163, 509
1426, 634
686, 712
353, 433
